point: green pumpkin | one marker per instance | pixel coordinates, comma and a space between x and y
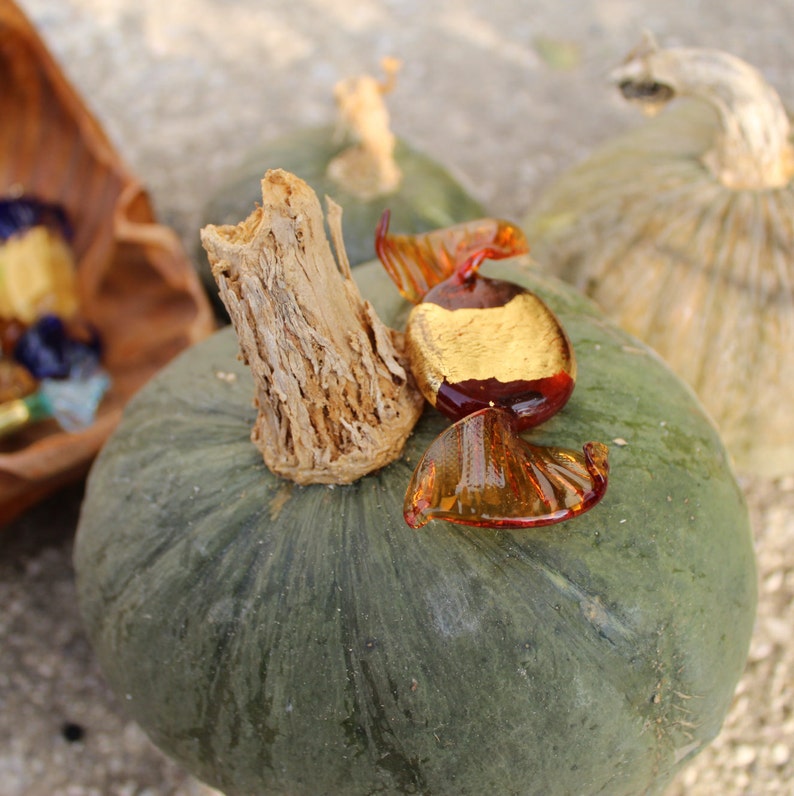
278, 639
427, 197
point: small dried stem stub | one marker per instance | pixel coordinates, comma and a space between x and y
367, 168
335, 397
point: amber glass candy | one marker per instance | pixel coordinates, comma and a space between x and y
491, 356
498, 359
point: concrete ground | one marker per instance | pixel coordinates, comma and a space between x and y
505, 94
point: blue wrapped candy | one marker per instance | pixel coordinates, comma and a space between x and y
26, 212
49, 351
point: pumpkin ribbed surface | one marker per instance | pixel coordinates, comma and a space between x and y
304, 640
681, 230
700, 272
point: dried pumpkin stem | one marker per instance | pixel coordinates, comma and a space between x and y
753, 150
366, 169
335, 398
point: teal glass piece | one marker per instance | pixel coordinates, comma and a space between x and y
74, 402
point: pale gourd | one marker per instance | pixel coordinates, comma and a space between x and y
683, 232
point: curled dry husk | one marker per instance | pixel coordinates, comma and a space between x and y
683, 231
135, 282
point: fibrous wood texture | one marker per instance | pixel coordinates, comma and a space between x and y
335, 398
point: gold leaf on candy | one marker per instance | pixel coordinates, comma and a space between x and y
417, 263
479, 471
135, 283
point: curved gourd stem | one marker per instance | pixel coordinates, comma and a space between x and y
753, 150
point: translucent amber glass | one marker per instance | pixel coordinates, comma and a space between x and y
416, 263
493, 357
479, 471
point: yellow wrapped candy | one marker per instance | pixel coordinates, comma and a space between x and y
37, 267
37, 276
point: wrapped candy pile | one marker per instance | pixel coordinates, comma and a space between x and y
51, 358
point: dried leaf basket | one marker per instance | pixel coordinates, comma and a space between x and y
134, 280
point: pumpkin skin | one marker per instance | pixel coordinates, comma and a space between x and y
304, 640
428, 196
685, 251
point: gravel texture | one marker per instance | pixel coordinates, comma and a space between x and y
505, 94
